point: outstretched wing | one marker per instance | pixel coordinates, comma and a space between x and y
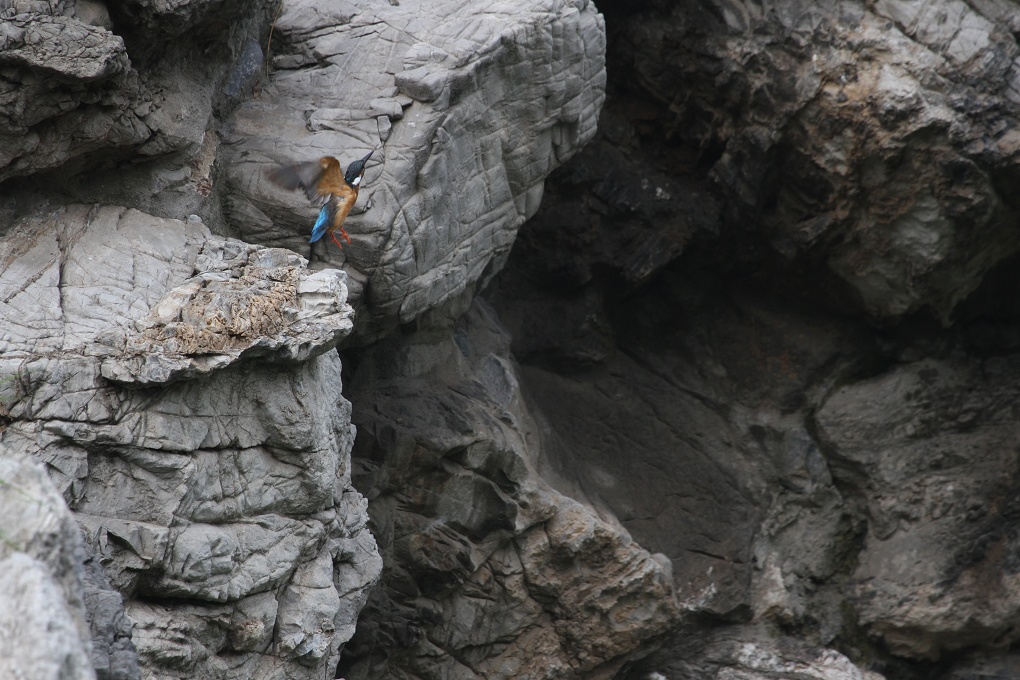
303, 175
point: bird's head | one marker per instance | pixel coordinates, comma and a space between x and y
356, 170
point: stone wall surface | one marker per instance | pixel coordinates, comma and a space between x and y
765, 320
679, 340
490, 572
468, 106
178, 389
44, 629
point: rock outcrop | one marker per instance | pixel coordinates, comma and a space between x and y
935, 442
765, 323
43, 630
739, 405
86, 84
216, 497
879, 138
489, 571
181, 387
470, 105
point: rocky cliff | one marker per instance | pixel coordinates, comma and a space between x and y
675, 340
766, 318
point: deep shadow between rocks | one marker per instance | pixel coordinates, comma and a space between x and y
675, 360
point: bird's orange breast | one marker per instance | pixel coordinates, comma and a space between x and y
345, 196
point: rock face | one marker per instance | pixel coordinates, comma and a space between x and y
738, 404
765, 322
83, 83
216, 497
489, 571
935, 440
44, 628
876, 137
467, 116
182, 389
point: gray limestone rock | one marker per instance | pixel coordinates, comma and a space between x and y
76, 95
689, 387
469, 105
113, 653
43, 629
182, 391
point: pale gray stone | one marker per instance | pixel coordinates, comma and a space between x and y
482, 101
39, 634
66, 47
214, 482
43, 630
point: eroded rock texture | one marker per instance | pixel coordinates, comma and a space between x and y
86, 85
878, 137
178, 388
742, 406
469, 105
489, 571
182, 388
43, 630
765, 320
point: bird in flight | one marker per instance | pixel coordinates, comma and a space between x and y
322, 180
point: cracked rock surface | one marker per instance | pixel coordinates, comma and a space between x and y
738, 403
182, 388
878, 138
489, 570
469, 105
43, 630
179, 389
765, 319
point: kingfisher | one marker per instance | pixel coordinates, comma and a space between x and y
322, 180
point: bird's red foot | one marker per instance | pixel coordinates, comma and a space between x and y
343, 232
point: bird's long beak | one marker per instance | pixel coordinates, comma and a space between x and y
365, 159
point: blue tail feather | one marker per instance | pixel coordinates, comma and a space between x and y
320, 225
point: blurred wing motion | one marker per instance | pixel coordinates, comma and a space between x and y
305, 176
